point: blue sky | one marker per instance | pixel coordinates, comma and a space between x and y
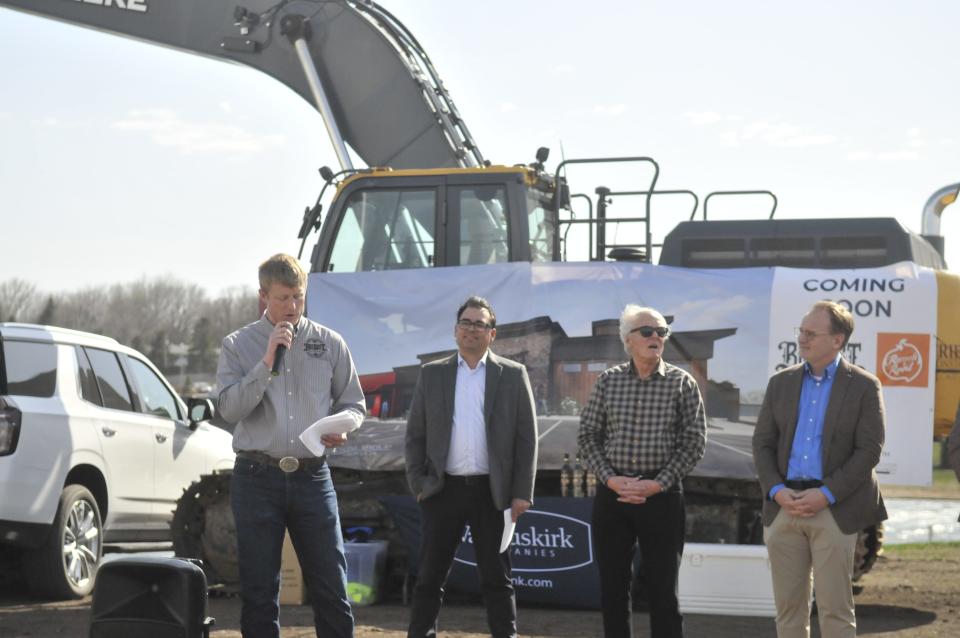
122, 160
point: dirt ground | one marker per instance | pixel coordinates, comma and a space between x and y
911, 592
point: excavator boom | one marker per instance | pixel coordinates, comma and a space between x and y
382, 95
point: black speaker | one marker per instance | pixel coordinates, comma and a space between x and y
150, 597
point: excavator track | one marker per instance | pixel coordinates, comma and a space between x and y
869, 548
203, 528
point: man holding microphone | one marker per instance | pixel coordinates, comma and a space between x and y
277, 376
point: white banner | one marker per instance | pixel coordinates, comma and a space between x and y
732, 329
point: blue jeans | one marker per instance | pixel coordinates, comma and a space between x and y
267, 501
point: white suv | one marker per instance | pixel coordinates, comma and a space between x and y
95, 447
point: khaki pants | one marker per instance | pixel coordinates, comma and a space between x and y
795, 545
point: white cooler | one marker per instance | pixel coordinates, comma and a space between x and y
729, 580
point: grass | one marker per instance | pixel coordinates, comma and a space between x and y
946, 480
924, 551
944, 485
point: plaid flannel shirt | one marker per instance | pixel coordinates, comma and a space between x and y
633, 426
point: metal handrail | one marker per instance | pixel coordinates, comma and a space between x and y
707, 199
590, 220
696, 199
606, 160
571, 222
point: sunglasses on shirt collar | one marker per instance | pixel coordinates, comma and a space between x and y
649, 331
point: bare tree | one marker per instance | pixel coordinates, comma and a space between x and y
148, 314
203, 349
85, 309
143, 307
159, 351
19, 300
232, 309
46, 315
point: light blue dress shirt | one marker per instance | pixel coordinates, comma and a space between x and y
806, 455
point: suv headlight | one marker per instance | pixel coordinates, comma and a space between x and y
9, 428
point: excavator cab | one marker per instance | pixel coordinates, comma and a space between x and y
394, 219
384, 219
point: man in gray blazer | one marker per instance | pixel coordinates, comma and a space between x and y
817, 441
471, 447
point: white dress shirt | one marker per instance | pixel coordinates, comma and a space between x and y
468, 438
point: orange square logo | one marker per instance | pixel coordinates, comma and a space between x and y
902, 359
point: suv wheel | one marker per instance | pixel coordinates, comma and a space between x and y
65, 566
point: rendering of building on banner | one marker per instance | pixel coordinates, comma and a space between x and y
563, 369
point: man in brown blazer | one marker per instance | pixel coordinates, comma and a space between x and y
471, 454
817, 441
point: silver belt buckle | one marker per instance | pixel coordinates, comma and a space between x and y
289, 464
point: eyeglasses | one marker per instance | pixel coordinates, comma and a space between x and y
648, 331
809, 334
466, 324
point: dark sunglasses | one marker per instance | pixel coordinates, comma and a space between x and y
648, 331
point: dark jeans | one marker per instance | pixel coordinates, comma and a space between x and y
658, 527
266, 502
444, 516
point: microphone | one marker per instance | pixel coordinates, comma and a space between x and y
278, 356
278, 359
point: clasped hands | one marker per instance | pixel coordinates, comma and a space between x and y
802, 503
631, 489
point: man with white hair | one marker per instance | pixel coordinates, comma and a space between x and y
641, 432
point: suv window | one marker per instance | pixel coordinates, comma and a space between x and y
88, 382
31, 368
155, 398
110, 380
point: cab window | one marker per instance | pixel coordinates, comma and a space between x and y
386, 230
540, 225
483, 224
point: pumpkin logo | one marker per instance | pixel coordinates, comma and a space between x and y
900, 359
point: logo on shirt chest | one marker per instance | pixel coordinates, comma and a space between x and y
315, 348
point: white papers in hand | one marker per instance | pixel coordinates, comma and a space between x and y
508, 527
339, 423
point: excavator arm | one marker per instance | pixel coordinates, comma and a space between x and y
367, 75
